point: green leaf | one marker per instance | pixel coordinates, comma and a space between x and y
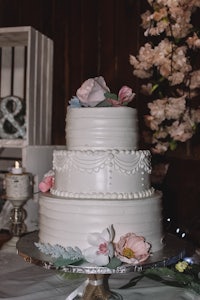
114, 263
173, 145
195, 286
160, 272
104, 103
132, 282
154, 87
60, 262
111, 96
173, 278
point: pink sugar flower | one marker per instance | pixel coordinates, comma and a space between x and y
132, 249
125, 96
47, 182
92, 91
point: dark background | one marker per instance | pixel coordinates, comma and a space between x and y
91, 38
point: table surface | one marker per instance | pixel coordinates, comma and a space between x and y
20, 280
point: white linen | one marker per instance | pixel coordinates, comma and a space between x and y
20, 280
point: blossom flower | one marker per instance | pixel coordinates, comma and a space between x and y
168, 64
146, 89
157, 109
101, 250
47, 182
180, 131
160, 147
181, 266
193, 41
175, 107
92, 91
132, 249
125, 96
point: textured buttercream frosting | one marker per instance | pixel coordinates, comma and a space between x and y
69, 221
102, 128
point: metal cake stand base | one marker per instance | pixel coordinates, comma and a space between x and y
96, 286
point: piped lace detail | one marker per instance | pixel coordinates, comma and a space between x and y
92, 161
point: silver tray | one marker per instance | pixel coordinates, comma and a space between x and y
174, 249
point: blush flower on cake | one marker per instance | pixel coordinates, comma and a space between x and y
94, 92
101, 250
132, 249
47, 182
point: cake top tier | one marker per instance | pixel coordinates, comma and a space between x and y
102, 128
99, 120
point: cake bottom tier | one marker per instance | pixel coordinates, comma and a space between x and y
68, 222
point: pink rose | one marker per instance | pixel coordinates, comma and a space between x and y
132, 249
125, 95
92, 91
46, 184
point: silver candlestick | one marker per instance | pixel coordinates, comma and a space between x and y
17, 217
19, 188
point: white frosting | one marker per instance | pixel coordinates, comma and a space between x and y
69, 221
102, 128
102, 174
100, 180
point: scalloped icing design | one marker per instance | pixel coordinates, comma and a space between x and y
93, 161
108, 174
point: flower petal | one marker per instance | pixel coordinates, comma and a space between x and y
92, 256
108, 234
94, 239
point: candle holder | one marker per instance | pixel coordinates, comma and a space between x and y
18, 227
19, 188
17, 217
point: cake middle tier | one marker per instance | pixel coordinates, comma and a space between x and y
111, 174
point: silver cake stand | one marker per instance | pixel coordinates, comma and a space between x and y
96, 285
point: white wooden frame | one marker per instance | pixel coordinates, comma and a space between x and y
27, 72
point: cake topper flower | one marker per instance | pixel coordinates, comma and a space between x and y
94, 92
47, 182
101, 250
167, 63
132, 249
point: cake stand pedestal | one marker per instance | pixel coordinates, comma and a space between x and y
96, 286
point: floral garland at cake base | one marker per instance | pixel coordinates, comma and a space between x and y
131, 249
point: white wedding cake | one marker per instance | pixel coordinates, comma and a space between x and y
101, 179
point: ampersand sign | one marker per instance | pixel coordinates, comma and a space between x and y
12, 118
